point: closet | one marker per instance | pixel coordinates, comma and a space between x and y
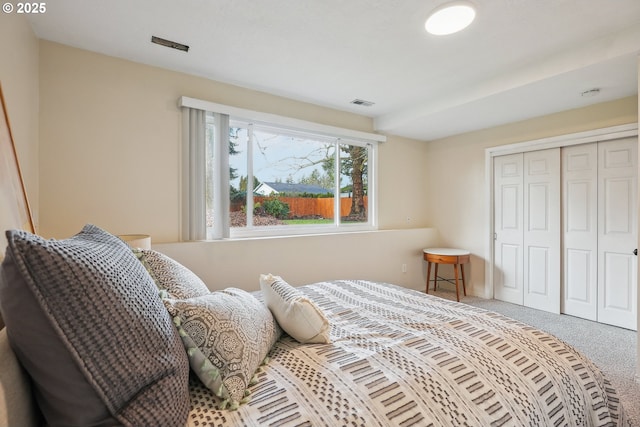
527, 229
565, 230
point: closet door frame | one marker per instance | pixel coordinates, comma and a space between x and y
603, 134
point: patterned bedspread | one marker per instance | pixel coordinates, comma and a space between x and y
402, 358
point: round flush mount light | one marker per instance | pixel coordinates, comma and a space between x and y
450, 18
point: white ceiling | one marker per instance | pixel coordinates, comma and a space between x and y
519, 59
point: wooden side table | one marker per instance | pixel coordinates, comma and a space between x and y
446, 256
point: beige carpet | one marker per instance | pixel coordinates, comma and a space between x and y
612, 349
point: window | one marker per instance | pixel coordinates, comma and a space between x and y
270, 178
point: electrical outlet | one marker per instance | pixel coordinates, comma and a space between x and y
404, 268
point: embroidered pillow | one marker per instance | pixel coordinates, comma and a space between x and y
169, 274
102, 333
227, 335
296, 314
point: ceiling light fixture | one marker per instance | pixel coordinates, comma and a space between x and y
450, 18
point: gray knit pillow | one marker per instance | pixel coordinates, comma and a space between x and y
103, 306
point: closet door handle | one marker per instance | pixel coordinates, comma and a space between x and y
635, 251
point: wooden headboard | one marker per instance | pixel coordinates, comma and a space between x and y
17, 407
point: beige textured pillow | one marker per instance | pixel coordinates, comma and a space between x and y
295, 313
227, 335
169, 274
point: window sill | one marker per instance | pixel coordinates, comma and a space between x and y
285, 231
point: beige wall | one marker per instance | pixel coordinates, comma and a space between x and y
305, 259
109, 155
456, 172
20, 86
403, 188
110, 145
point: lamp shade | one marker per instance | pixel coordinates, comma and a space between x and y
137, 241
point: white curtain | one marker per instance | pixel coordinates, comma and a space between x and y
194, 165
221, 202
194, 225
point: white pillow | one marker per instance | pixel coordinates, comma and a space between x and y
295, 313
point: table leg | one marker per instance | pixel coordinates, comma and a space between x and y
428, 274
455, 267
464, 287
435, 279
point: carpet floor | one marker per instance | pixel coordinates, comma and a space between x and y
611, 348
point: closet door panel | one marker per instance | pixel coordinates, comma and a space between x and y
542, 230
508, 227
618, 276
617, 232
580, 238
538, 273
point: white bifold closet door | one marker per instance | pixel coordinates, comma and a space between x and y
617, 232
580, 223
600, 231
508, 228
527, 229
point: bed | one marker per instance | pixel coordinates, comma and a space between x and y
395, 357
400, 357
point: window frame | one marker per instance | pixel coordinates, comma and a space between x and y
341, 136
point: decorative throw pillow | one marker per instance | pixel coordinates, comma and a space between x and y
295, 313
227, 335
32, 336
170, 275
85, 320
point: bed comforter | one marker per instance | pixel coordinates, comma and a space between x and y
402, 358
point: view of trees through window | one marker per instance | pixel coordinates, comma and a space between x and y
282, 178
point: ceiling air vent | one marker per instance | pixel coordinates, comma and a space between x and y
590, 93
362, 102
169, 43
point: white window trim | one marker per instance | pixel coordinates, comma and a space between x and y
287, 122
349, 135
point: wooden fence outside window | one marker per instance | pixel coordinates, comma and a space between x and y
306, 207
